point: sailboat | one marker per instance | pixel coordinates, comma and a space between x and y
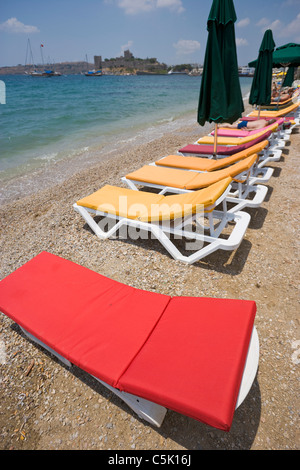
38, 73
92, 73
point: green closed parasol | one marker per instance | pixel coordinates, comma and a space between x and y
220, 98
289, 78
261, 89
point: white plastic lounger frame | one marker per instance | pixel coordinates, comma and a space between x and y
154, 413
217, 221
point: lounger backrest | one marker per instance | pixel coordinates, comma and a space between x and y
247, 133
205, 164
239, 140
279, 113
204, 179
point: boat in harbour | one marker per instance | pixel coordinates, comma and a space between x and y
93, 73
34, 72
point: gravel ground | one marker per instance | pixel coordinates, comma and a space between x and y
46, 406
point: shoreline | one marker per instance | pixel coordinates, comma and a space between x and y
56, 163
80, 159
54, 407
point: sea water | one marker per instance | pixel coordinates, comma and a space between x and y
49, 119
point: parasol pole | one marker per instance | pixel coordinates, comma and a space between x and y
215, 141
259, 108
286, 66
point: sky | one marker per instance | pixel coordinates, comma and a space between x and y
173, 31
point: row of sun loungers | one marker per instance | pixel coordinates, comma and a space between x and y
198, 187
135, 342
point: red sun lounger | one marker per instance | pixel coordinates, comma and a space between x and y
201, 149
196, 356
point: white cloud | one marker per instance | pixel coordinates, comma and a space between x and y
241, 42
291, 3
175, 5
126, 46
133, 7
292, 29
243, 23
263, 22
186, 46
275, 25
12, 25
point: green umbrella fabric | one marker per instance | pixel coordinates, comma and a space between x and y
289, 78
261, 88
286, 55
220, 98
283, 56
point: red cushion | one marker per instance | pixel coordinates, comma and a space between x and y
200, 149
194, 360
95, 322
187, 354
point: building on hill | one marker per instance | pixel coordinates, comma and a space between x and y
131, 64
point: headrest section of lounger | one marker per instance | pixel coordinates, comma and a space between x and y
206, 164
279, 113
96, 323
188, 163
162, 176
224, 132
205, 179
182, 205
236, 140
201, 149
223, 162
198, 362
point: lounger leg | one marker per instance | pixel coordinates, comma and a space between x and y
35, 340
260, 192
145, 409
94, 226
241, 221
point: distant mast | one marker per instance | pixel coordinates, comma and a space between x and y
36, 73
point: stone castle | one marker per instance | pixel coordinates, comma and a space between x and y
129, 62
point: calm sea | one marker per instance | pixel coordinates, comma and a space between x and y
46, 120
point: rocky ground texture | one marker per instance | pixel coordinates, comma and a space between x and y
44, 405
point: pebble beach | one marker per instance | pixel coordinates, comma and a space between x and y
46, 406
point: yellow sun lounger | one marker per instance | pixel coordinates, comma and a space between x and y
209, 139
294, 108
177, 180
163, 216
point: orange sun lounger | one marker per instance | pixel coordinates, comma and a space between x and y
274, 114
162, 216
